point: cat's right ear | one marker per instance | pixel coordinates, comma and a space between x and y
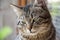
18, 10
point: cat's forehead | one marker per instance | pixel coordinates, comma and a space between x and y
36, 8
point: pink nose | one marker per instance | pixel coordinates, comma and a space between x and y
29, 27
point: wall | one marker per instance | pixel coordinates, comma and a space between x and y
8, 17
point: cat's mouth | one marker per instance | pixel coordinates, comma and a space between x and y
31, 31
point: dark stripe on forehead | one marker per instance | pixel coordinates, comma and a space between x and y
26, 8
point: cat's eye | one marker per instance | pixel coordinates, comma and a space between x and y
42, 17
21, 23
38, 20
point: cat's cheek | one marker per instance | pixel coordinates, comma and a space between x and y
19, 26
25, 36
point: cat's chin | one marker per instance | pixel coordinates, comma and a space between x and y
33, 32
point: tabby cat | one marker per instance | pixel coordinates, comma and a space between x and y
35, 22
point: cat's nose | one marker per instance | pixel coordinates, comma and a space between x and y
29, 27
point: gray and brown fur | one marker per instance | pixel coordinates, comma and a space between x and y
35, 24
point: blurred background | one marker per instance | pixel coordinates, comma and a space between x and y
9, 18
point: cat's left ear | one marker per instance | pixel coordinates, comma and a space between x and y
18, 10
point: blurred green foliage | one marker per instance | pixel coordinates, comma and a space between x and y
55, 9
4, 32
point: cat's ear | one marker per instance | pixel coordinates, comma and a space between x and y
43, 4
35, 3
18, 10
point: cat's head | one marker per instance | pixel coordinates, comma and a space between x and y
31, 17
